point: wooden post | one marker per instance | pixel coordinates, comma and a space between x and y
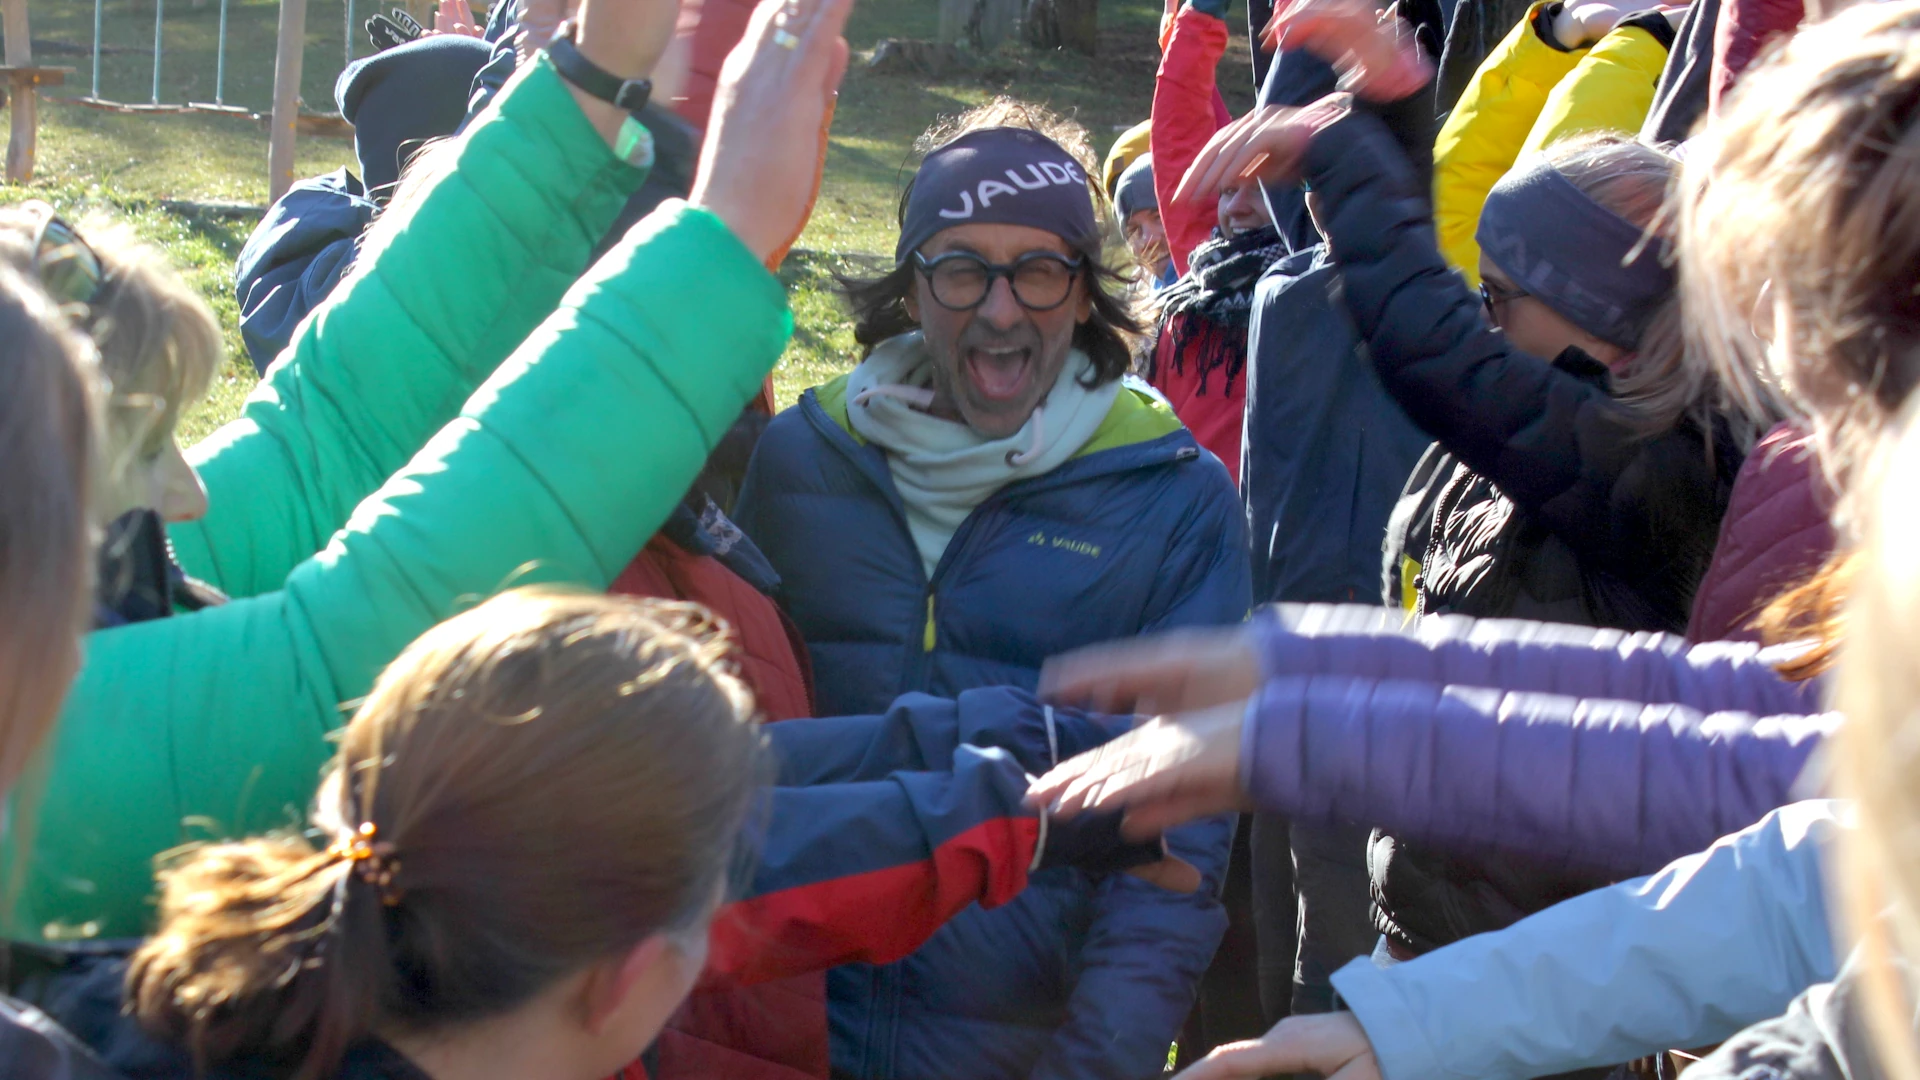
287, 55
25, 99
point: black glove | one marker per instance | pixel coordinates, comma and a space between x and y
386, 31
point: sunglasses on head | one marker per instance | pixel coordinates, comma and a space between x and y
66, 266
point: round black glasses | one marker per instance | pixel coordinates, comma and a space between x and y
961, 280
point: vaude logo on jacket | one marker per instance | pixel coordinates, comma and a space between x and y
1041, 174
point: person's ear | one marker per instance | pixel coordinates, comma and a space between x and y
912, 300
610, 983
1084, 310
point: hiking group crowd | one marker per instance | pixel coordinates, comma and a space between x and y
1410, 582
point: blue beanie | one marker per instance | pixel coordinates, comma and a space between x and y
1134, 192
403, 96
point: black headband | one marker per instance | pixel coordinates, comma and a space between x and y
1000, 176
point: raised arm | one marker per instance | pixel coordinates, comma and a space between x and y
215, 721
1184, 118
1483, 134
490, 247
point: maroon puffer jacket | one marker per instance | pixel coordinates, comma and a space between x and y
1777, 532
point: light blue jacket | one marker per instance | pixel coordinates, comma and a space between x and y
1687, 957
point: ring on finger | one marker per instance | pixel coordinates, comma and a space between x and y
784, 39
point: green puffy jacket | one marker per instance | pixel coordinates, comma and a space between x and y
370, 490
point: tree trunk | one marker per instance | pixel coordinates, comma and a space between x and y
1063, 24
982, 24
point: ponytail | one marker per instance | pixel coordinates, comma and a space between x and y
533, 787
269, 948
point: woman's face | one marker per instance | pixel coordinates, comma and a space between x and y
1534, 327
146, 470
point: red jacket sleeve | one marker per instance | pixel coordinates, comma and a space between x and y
917, 846
1185, 115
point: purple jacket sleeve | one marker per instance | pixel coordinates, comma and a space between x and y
1512, 654
1610, 786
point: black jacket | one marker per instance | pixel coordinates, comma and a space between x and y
33, 1047
1480, 553
85, 995
1558, 503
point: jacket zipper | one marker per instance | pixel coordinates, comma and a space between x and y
927, 639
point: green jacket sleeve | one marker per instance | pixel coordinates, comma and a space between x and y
491, 246
1610, 89
1481, 139
558, 469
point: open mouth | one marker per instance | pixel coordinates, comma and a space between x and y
1000, 374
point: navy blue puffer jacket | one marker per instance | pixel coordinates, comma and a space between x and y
1141, 531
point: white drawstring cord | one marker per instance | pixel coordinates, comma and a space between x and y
1053, 756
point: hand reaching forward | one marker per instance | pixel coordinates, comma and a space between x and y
1166, 772
1374, 51
1173, 672
765, 145
1331, 1044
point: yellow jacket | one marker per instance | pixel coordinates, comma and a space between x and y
1526, 96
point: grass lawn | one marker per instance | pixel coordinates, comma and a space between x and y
128, 166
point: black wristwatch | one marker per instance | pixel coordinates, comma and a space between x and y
628, 94
634, 143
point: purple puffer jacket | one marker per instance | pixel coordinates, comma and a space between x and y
1607, 751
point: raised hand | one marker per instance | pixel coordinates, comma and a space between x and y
1331, 1044
539, 19
766, 143
1265, 145
1166, 772
455, 17
1374, 51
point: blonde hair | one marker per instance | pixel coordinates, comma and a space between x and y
1667, 379
1799, 215
549, 779
1877, 752
49, 394
159, 344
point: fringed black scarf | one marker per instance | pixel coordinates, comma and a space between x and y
1206, 312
